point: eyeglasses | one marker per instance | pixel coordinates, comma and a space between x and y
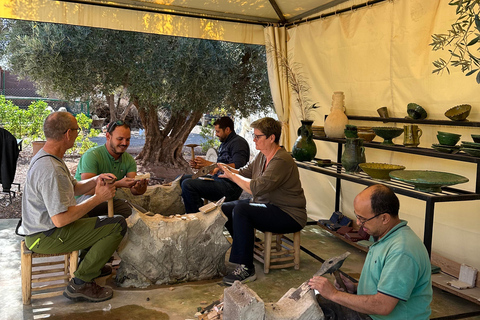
112, 125
364, 220
257, 136
76, 129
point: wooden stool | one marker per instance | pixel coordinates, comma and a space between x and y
45, 272
284, 253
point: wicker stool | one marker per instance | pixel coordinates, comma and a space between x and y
282, 254
45, 272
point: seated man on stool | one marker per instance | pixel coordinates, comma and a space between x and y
52, 220
112, 157
234, 152
395, 282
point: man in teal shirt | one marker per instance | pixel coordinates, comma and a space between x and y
395, 282
112, 158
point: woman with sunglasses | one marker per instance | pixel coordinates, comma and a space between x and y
278, 203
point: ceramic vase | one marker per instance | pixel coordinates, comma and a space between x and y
304, 148
337, 120
353, 155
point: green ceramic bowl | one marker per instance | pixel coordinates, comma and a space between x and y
476, 138
458, 113
416, 112
387, 133
379, 171
448, 139
429, 181
468, 144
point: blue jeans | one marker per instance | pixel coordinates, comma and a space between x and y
195, 190
244, 217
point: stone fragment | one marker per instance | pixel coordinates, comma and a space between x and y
242, 303
306, 308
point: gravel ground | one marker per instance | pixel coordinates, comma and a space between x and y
11, 210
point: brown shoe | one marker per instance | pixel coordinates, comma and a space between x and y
89, 291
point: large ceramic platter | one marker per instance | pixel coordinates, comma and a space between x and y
429, 181
468, 144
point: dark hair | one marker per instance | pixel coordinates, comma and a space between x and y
268, 126
224, 122
114, 124
56, 124
384, 200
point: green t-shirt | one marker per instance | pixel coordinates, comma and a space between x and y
398, 265
97, 160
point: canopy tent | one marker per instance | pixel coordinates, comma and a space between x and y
377, 52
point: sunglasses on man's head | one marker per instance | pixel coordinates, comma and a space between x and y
112, 125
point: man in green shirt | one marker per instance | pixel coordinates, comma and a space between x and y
112, 158
395, 282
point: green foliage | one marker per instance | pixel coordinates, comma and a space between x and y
27, 124
83, 142
24, 124
462, 37
207, 132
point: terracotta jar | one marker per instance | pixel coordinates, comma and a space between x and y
336, 120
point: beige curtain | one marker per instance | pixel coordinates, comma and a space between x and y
276, 46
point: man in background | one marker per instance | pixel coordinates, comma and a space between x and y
234, 152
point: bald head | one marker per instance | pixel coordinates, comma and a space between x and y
57, 123
380, 199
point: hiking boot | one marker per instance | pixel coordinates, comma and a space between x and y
242, 274
88, 291
105, 271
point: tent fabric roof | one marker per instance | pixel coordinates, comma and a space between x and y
262, 12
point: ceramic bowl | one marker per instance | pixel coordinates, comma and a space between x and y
318, 131
476, 138
379, 171
458, 113
387, 133
367, 136
448, 139
416, 112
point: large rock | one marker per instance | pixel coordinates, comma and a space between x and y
160, 249
164, 200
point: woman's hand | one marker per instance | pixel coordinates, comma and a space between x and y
227, 173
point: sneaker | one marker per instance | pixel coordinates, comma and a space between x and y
89, 291
242, 274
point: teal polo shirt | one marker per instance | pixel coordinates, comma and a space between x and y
398, 265
97, 160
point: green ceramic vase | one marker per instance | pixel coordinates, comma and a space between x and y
304, 148
353, 155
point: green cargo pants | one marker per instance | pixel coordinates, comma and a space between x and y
101, 235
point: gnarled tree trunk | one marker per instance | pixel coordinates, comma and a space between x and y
165, 146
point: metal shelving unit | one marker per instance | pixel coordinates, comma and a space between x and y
448, 194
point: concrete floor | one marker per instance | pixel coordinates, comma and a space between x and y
181, 301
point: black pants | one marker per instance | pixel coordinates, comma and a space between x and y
334, 311
244, 217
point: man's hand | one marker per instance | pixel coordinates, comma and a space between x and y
105, 190
351, 287
201, 162
139, 187
323, 286
125, 183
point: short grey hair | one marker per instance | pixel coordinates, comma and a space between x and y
56, 124
268, 126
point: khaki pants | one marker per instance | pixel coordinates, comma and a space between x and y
100, 235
